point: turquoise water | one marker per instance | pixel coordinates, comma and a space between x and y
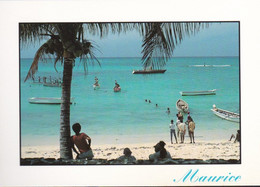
107, 115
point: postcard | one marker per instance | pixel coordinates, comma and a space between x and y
145, 100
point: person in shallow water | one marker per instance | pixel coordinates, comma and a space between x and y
82, 142
116, 84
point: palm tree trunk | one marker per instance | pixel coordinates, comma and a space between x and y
65, 149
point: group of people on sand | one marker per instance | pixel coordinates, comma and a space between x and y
81, 145
181, 128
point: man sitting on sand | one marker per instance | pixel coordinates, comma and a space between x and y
160, 152
237, 139
82, 142
127, 157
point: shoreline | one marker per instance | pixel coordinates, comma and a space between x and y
214, 149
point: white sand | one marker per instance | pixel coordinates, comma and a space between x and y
217, 149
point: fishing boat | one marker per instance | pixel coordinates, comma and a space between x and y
47, 100
149, 71
52, 84
196, 93
96, 86
227, 115
182, 106
117, 89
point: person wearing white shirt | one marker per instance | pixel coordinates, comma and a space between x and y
172, 131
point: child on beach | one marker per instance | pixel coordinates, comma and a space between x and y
237, 139
160, 152
82, 142
172, 131
168, 111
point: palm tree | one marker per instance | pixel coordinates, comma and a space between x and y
66, 41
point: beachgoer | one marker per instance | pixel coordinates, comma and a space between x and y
191, 127
127, 157
168, 111
150, 101
179, 116
39, 79
238, 137
182, 130
177, 125
160, 152
172, 131
82, 142
116, 84
44, 79
146, 100
156, 105
96, 82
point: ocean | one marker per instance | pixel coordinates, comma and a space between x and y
110, 117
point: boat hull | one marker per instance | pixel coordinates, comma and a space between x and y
148, 71
117, 89
182, 106
198, 93
95, 87
51, 85
224, 114
47, 100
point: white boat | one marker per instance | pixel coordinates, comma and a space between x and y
182, 106
96, 86
227, 115
47, 100
204, 65
52, 84
117, 89
196, 93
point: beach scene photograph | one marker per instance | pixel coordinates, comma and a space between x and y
129, 93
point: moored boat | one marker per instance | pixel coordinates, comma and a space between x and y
149, 71
227, 115
117, 89
196, 93
52, 84
47, 100
182, 106
96, 86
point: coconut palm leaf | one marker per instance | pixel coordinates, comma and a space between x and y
160, 40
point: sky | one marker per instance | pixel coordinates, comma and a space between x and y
219, 39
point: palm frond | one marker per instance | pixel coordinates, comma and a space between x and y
160, 40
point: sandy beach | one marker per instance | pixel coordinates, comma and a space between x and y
217, 149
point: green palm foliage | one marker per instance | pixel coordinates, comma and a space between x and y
67, 41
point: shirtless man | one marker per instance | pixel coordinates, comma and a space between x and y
82, 142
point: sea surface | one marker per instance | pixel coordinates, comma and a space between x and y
124, 117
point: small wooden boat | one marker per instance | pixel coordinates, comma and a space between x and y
196, 93
52, 84
96, 86
227, 115
47, 100
117, 89
182, 106
149, 71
